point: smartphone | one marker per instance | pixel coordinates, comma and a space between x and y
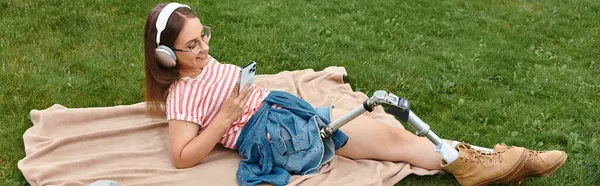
247, 75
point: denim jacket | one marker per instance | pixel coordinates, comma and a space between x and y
295, 146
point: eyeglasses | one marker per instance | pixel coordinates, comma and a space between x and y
196, 45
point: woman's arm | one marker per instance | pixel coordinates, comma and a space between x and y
188, 147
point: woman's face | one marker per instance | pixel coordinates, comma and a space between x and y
191, 46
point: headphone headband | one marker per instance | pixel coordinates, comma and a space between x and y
163, 17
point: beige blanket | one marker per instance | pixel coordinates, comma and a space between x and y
77, 146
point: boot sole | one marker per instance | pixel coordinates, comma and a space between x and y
551, 169
518, 166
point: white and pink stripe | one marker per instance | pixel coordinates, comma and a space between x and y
199, 99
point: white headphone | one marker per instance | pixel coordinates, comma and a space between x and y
166, 56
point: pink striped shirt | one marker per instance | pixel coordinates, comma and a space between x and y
199, 99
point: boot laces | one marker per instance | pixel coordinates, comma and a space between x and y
535, 155
488, 159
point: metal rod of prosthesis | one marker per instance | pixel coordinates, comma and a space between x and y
448, 153
400, 108
423, 128
378, 98
326, 132
367, 105
348, 117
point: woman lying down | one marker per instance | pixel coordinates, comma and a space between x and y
275, 132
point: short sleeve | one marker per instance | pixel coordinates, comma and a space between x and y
181, 103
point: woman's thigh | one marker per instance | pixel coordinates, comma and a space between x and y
371, 139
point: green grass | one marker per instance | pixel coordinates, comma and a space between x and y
521, 72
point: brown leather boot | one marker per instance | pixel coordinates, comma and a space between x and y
539, 163
475, 167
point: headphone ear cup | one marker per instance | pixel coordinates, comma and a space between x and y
166, 57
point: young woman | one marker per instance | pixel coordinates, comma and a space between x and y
275, 132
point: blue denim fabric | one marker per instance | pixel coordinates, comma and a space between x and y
295, 146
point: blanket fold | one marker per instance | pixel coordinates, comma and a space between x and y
77, 146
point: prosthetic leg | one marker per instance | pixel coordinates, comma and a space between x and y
400, 108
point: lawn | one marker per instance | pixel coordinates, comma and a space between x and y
520, 72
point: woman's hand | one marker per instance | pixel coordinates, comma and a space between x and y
188, 147
234, 106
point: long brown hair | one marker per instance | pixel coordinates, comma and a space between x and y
158, 77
